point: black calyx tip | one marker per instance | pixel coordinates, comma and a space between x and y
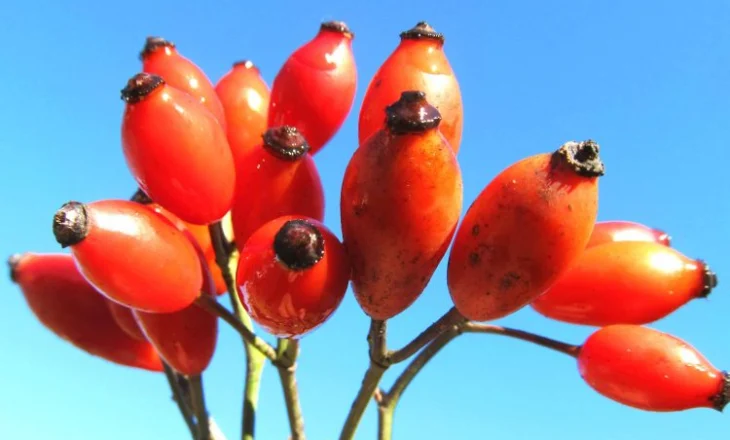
299, 245
422, 30
248, 64
412, 113
140, 86
152, 44
285, 142
70, 224
140, 196
709, 280
13, 262
581, 157
721, 399
337, 26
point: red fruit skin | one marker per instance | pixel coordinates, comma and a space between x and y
285, 302
187, 167
201, 236
621, 230
186, 339
315, 89
66, 304
629, 282
156, 267
183, 74
415, 64
124, 318
245, 97
527, 226
650, 370
400, 204
269, 187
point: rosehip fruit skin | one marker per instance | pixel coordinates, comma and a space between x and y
622, 230
161, 57
525, 228
277, 178
124, 317
70, 307
292, 275
315, 88
417, 63
176, 150
155, 266
401, 199
625, 282
649, 370
245, 97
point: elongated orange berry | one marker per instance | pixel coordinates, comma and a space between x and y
524, 230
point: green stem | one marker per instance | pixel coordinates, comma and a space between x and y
439, 326
179, 398
197, 398
369, 384
385, 422
288, 350
256, 349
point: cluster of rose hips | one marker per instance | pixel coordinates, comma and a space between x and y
138, 282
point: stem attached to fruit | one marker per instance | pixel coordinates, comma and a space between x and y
387, 402
434, 330
226, 257
197, 398
181, 400
288, 351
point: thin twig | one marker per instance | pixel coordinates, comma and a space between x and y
375, 371
255, 362
210, 304
439, 326
197, 397
180, 399
289, 351
559, 346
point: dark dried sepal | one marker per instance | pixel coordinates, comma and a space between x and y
422, 30
141, 85
285, 142
140, 196
248, 64
337, 26
152, 44
721, 399
709, 280
299, 245
13, 262
71, 224
412, 113
581, 157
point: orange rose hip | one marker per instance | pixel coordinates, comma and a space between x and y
417, 63
400, 203
524, 230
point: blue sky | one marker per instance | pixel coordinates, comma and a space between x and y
647, 80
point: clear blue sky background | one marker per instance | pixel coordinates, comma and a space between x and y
647, 80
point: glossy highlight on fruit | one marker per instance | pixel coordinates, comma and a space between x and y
199, 234
315, 88
651, 370
626, 282
525, 228
400, 203
417, 63
621, 230
176, 150
67, 305
245, 97
161, 57
277, 178
292, 275
155, 266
